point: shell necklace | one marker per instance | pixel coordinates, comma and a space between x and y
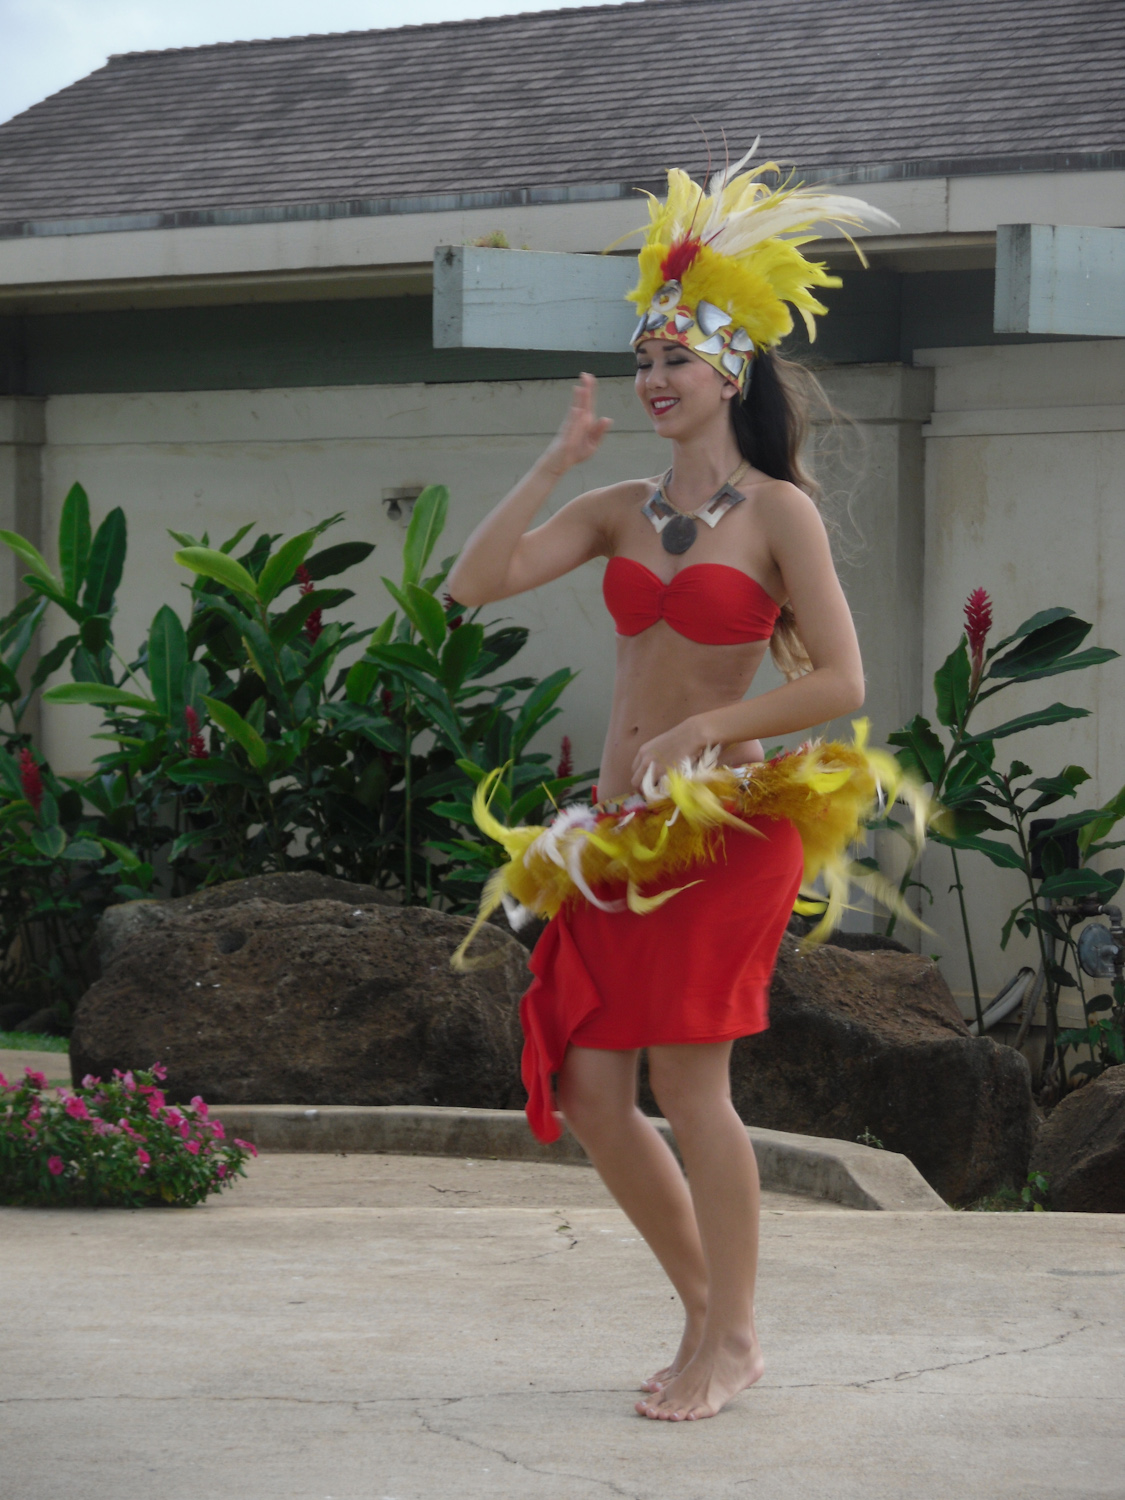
677, 528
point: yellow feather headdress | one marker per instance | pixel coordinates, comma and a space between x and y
721, 267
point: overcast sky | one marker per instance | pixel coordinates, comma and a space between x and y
46, 44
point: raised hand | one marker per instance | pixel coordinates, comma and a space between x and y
582, 429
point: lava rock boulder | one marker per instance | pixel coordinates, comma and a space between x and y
871, 1046
298, 996
1081, 1148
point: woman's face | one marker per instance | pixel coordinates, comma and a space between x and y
681, 392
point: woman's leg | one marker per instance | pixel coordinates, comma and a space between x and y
692, 1087
597, 1093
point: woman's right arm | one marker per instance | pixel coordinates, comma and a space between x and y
502, 557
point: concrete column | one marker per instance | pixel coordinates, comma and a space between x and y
22, 436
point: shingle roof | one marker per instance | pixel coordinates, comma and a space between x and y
599, 95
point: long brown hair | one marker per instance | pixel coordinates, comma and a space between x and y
771, 423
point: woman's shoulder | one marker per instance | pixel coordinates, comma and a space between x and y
780, 501
622, 495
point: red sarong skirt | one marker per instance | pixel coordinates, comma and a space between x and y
695, 970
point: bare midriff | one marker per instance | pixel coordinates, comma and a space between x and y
663, 678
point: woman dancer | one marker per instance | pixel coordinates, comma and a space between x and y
709, 567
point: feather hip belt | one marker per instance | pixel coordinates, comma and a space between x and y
828, 790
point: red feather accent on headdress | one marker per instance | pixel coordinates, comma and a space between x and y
679, 258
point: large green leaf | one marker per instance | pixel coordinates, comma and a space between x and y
460, 654
1093, 656
924, 751
167, 663
209, 563
55, 594
1036, 622
31, 557
74, 539
100, 693
52, 660
281, 567
1082, 883
49, 841
332, 560
360, 681
244, 734
107, 562
1000, 854
534, 710
197, 772
951, 684
287, 625
427, 522
405, 654
9, 684
427, 616
231, 542
1057, 713
1041, 648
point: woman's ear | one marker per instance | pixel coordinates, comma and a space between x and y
730, 390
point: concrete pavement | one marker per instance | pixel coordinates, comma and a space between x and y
397, 1328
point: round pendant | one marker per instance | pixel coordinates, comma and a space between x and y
679, 534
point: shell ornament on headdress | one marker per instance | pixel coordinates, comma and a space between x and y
721, 268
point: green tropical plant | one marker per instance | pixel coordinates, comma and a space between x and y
248, 737
979, 800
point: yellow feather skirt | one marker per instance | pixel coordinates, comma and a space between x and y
828, 790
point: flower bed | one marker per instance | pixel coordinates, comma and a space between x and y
112, 1145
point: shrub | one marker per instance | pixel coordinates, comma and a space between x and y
115, 1144
242, 742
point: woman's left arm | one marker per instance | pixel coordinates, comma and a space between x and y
799, 544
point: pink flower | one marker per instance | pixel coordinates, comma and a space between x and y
197, 750
193, 1147
134, 1135
128, 1080
144, 1160
4, 1084
103, 1127
159, 1071
185, 1131
173, 1118
198, 1105
978, 622
39, 1080
566, 758
89, 1081
247, 1146
222, 1168
35, 1110
31, 780
55, 1166
76, 1108
155, 1102
217, 1130
314, 624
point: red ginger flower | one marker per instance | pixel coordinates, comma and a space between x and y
451, 603
565, 766
31, 779
978, 622
314, 624
197, 750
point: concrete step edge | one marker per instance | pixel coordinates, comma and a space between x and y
841, 1172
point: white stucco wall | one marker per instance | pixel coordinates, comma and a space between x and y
1025, 496
210, 461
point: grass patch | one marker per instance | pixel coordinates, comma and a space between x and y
32, 1041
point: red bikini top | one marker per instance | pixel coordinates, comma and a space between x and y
711, 603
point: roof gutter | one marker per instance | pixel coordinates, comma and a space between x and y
493, 198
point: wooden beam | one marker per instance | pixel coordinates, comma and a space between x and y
529, 299
1060, 278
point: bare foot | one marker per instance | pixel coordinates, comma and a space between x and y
693, 1333
703, 1387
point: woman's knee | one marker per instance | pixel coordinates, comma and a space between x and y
596, 1091
688, 1085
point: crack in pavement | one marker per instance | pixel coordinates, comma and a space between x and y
954, 1364
519, 1463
